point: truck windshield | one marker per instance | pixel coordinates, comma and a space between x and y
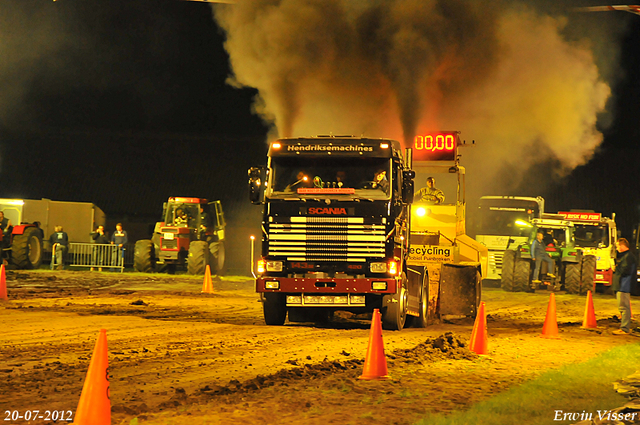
506, 217
311, 177
504, 223
589, 236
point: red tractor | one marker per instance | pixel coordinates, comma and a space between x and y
191, 234
22, 246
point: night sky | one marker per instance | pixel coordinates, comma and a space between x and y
124, 103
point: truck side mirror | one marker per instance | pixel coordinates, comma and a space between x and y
256, 184
407, 186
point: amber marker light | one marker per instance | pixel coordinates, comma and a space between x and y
276, 145
393, 267
261, 266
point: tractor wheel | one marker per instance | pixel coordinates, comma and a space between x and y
522, 275
144, 260
394, 307
198, 257
274, 308
508, 266
572, 278
217, 258
588, 275
26, 249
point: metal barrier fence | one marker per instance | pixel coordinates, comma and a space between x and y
96, 256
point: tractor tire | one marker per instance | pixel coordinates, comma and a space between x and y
588, 274
144, 260
198, 257
217, 257
522, 275
394, 307
508, 270
26, 249
274, 308
572, 278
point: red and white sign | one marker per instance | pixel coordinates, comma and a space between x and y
584, 216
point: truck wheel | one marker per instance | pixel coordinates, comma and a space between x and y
588, 274
508, 265
144, 256
217, 258
572, 278
394, 307
421, 320
522, 275
274, 309
198, 257
26, 249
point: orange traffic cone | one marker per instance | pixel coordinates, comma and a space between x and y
589, 321
478, 343
3, 285
207, 284
375, 364
94, 407
550, 328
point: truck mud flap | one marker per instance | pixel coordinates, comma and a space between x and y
460, 290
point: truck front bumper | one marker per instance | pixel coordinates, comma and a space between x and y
326, 286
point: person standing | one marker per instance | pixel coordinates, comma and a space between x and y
430, 194
100, 252
624, 272
5, 226
59, 246
119, 239
539, 254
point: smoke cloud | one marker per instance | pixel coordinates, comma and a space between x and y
509, 75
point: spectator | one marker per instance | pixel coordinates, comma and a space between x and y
99, 252
119, 239
5, 226
624, 272
539, 254
59, 246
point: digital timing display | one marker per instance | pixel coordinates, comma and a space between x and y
435, 146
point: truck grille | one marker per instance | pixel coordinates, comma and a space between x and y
326, 239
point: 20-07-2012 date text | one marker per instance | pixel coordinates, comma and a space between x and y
34, 415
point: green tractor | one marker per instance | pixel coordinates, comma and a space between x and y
575, 272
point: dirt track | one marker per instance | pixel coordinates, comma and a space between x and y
179, 356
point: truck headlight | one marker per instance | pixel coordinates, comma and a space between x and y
274, 266
378, 267
271, 284
379, 286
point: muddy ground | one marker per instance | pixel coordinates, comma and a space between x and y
179, 356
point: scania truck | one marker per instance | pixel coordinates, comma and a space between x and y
335, 229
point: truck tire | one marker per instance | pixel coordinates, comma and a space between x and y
588, 274
198, 257
274, 309
144, 260
217, 257
508, 266
394, 307
522, 275
572, 278
26, 249
422, 320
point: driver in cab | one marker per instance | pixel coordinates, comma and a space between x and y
430, 194
181, 218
